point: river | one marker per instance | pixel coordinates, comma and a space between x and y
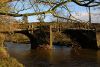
56, 57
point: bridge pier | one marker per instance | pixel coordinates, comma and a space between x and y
51, 41
41, 37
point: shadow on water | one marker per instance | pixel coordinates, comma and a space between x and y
56, 57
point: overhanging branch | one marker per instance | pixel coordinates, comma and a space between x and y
62, 3
46, 12
87, 4
36, 13
26, 14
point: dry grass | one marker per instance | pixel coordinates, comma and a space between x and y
3, 1
98, 38
19, 38
10, 62
61, 38
2, 38
3, 53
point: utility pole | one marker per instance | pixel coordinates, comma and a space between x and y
89, 15
25, 19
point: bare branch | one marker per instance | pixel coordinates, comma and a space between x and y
27, 14
62, 3
88, 3
53, 6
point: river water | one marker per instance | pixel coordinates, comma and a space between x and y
56, 57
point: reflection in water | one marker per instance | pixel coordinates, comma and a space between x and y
56, 57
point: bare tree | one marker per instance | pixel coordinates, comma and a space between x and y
19, 7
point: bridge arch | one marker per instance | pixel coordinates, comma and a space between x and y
30, 35
85, 38
37, 37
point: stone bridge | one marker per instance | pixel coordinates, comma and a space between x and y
41, 33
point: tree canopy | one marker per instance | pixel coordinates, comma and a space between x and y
15, 7
34, 4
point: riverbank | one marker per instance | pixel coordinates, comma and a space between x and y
6, 60
10, 62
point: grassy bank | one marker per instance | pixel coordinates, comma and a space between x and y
98, 38
10, 62
6, 60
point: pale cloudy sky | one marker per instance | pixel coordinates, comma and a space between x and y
95, 17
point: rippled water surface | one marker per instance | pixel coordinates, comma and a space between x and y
56, 57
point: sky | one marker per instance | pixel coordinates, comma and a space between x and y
76, 10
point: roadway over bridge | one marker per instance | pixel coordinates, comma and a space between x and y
41, 33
